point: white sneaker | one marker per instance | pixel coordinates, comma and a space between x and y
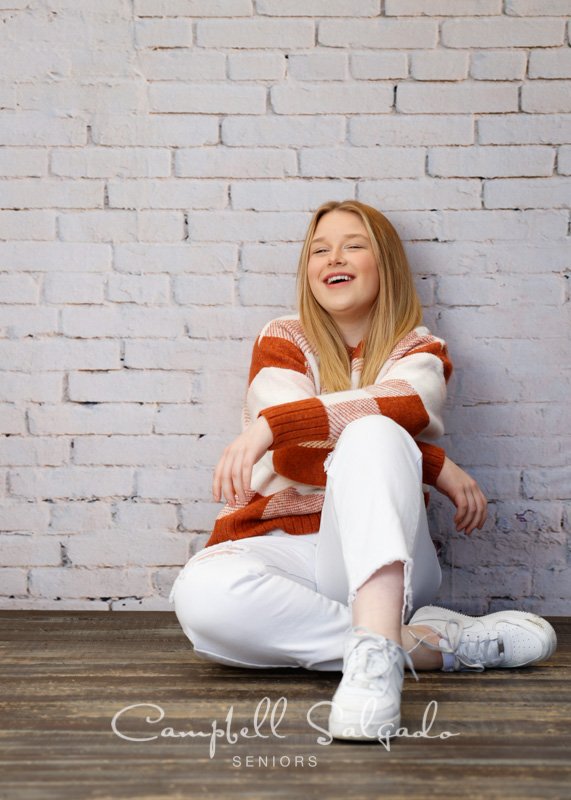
502, 639
366, 704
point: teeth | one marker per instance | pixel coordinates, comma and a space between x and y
339, 278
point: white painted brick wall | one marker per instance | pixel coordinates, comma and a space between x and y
159, 163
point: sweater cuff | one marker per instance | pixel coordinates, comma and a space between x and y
297, 422
432, 462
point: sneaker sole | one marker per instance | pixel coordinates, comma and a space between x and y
428, 612
351, 728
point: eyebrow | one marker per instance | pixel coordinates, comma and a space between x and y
347, 236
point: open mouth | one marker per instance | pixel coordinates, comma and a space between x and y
339, 281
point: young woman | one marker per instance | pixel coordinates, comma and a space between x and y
322, 557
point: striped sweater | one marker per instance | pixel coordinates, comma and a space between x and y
288, 483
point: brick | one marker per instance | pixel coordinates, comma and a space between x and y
155, 130
208, 291
318, 98
90, 418
125, 547
47, 193
16, 387
130, 386
564, 160
257, 32
542, 8
28, 225
492, 225
200, 258
389, 34
525, 129
220, 162
491, 162
318, 66
256, 66
71, 482
26, 550
546, 96
98, 226
73, 288
40, 128
420, 193
32, 257
193, 8
145, 516
88, 323
106, 162
145, 290
550, 63
499, 290
23, 162
442, 8
498, 66
12, 420
83, 96
193, 354
319, 8
467, 97
73, 517
165, 450
176, 485
528, 193
207, 98
247, 226
383, 162
80, 582
234, 322
502, 32
401, 130
27, 320
26, 518
160, 226
286, 195
59, 354
18, 289
438, 66
283, 131
27, 450
539, 483
163, 33
183, 65
167, 194
13, 581
376, 66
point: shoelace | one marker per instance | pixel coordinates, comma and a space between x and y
380, 658
474, 652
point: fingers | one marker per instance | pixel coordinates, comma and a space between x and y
472, 509
233, 476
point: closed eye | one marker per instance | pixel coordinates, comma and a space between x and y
323, 249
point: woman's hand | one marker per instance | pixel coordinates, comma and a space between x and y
466, 495
233, 472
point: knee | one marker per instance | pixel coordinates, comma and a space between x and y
212, 595
374, 428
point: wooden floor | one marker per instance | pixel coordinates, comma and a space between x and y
69, 677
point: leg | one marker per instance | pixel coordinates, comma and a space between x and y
375, 552
254, 603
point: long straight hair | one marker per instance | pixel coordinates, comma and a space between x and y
396, 311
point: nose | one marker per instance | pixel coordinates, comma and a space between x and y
335, 256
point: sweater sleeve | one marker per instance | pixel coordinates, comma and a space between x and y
410, 388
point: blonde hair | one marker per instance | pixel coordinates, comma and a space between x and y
395, 312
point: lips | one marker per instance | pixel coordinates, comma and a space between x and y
334, 274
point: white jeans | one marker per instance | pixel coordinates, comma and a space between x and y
285, 600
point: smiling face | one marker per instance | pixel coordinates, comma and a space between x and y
342, 245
